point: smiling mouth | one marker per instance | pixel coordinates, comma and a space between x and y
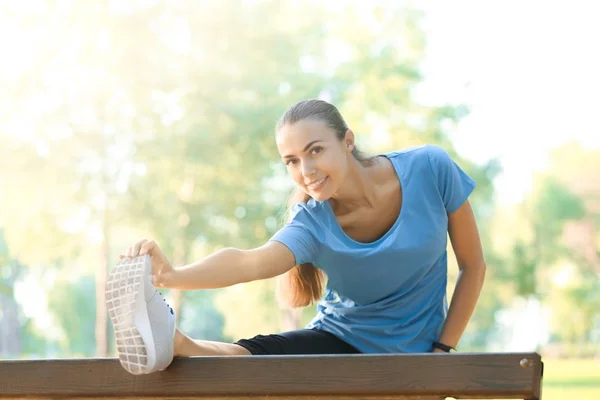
316, 185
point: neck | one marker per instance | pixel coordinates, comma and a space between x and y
358, 189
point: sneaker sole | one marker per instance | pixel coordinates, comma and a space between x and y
126, 306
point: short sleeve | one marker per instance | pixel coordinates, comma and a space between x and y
298, 235
454, 185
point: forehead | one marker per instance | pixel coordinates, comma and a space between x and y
295, 137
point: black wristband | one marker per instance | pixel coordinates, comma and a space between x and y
443, 347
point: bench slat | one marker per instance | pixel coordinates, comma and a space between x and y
474, 375
253, 398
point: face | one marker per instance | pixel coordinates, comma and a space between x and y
315, 158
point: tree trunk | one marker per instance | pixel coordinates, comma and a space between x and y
10, 344
101, 314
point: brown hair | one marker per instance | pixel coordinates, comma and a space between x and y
304, 283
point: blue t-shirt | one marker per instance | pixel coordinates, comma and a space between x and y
387, 296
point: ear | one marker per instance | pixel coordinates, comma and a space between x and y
349, 141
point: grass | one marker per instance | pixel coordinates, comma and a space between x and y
571, 379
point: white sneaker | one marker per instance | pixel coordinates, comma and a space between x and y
144, 323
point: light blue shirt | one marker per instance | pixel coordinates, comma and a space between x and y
387, 296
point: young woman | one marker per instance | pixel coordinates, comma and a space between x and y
375, 227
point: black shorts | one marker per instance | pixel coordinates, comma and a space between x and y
302, 341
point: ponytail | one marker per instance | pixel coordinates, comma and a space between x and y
304, 283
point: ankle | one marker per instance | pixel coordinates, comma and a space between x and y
178, 340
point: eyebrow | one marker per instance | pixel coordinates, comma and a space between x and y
305, 147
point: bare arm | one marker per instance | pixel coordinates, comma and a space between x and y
464, 236
229, 267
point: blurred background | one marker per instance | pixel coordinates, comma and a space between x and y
128, 119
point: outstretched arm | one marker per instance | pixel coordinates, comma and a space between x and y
464, 236
223, 268
231, 266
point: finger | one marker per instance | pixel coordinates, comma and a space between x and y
156, 281
137, 247
121, 256
148, 247
129, 251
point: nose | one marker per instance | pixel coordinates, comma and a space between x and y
307, 169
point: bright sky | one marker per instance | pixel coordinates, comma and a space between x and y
530, 72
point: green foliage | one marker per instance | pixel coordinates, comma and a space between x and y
6, 279
576, 309
72, 305
200, 318
556, 204
35, 343
524, 274
553, 252
174, 137
28, 341
552, 206
160, 120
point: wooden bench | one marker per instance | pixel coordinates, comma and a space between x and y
406, 376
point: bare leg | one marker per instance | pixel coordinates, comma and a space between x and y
188, 347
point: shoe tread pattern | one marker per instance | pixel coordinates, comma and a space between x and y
123, 286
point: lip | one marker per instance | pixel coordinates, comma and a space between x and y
318, 184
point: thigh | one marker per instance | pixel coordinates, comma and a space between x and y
302, 341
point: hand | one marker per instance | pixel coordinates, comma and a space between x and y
162, 270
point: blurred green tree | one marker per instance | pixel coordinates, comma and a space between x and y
161, 122
553, 238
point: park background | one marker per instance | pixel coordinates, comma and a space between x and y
129, 119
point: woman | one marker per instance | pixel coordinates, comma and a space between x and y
375, 226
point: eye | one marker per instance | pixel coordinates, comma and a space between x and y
316, 150
291, 162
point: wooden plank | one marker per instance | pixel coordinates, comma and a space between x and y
504, 375
249, 398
